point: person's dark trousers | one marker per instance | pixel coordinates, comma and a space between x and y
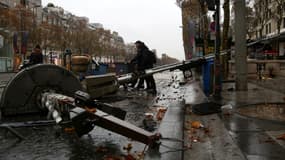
150, 82
141, 83
141, 80
134, 82
135, 79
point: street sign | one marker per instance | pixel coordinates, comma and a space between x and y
1, 41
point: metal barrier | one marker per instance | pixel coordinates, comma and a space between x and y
6, 64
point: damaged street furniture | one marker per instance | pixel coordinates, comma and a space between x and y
46, 89
54, 92
100, 85
183, 66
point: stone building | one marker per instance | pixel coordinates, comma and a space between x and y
270, 23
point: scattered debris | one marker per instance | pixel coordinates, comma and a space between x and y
196, 124
128, 147
227, 109
206, 130
69, 130
189, 146
281, 137
160, 113
90, 110
150, 124
269, 140
149, 116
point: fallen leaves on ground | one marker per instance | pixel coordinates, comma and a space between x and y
196, 124
128, 147
90, 110
281, 137
160, 113
69, 130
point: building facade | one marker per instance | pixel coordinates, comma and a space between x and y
270, 23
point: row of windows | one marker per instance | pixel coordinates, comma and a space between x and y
268, 28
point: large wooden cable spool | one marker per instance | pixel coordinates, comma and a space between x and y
22, 93
80, 63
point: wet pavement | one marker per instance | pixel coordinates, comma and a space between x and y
256, 134
239, 134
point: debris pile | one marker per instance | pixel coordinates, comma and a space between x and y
195, 132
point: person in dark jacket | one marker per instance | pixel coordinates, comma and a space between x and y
36, 57
144, 60
139, 61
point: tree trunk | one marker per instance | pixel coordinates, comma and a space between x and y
240, 45
185, 29
204, 11
226, 24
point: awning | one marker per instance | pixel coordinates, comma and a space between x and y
266, 40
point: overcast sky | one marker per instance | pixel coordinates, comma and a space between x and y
156, 22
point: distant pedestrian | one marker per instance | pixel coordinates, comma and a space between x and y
36, 57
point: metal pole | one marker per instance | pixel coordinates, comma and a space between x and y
217, 65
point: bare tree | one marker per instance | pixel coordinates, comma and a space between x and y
250, 18
205, 24
261, 11
277, 13
226, 24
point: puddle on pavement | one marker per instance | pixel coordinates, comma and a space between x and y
270, 111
